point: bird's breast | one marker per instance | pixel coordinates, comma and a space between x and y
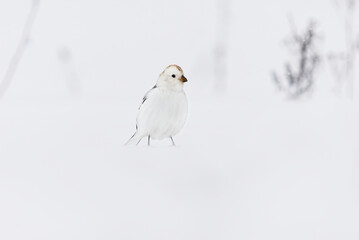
163, 114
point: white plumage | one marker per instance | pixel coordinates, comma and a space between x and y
163, 111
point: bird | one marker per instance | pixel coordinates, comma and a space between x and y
163, 111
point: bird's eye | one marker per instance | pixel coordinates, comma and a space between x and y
173, 75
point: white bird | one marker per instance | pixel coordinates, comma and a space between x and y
163, 111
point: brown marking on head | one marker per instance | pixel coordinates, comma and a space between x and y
174, 65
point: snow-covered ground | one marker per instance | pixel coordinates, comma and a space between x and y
248, 164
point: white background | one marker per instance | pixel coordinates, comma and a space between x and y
249, 164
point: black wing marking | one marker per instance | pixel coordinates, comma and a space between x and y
144, 100
145, 97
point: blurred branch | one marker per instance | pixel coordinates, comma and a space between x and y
343, 63
299, 78
68, 67
221, 46
292, 25
14, 62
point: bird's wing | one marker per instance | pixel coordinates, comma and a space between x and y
144, 100
146, 96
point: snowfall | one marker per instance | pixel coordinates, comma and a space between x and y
249, 163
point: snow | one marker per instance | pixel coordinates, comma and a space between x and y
248, 164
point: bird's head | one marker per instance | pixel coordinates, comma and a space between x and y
172, 78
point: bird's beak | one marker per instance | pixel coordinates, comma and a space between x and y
183, 79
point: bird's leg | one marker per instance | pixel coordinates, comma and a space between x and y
129, 140
138, 141
148, 140
173, 143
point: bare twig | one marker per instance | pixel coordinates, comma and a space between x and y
14, 62
299, 78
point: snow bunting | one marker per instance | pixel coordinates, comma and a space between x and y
163, 111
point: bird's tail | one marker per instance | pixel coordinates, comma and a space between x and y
134, 140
